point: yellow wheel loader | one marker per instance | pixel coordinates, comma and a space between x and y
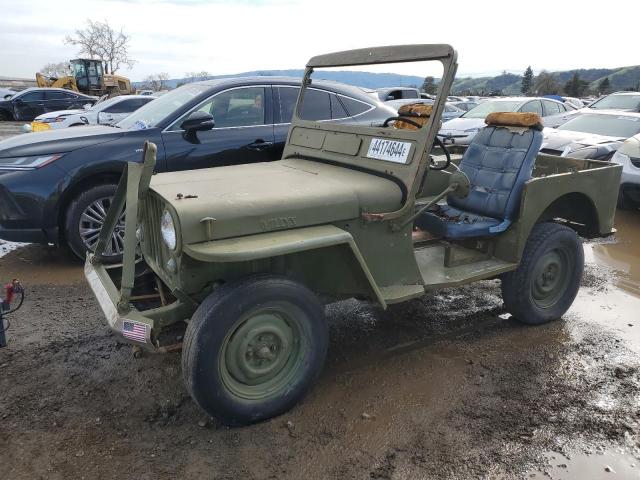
89, 78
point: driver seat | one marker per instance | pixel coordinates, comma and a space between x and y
498, 162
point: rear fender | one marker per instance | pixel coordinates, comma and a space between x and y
585, 199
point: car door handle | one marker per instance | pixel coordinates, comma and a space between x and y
259, 145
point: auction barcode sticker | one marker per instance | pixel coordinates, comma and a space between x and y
390, 150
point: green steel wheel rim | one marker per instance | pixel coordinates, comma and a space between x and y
551, 276
263, 353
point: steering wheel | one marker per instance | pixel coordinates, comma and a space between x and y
436, 141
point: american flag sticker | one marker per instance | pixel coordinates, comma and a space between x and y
135, 331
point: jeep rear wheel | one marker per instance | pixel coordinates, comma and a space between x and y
253, 348
547, 280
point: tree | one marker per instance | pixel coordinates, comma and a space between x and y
56, 70
98, 40
604, 86
429, 86
196, 76
546, 84
576, 87
527, 81
156, 81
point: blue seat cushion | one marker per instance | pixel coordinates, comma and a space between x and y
449, 222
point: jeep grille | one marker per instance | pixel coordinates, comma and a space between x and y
154, 250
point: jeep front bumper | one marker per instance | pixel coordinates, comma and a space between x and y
131, 326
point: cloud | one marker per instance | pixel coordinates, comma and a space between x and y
225, 36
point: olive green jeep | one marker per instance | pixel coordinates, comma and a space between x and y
244, 256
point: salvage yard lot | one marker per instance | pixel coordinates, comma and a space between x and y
441, 388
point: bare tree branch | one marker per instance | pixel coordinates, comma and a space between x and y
98, 40
56, 70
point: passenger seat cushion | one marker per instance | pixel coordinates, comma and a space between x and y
498, 163
514, 119
449, 222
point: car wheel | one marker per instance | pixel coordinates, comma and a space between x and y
5, 116
77, 125
547, 280
85, 217
253, 348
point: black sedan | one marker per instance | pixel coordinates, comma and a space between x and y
28, 104
56, 186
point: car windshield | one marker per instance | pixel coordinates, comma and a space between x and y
154, 112
620, 126
484, 109
617, 102
102, 104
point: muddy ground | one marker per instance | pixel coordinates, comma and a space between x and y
447, 387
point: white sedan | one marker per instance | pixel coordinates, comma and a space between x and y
107, 112
461, 130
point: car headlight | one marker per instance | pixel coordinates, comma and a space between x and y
168, 230
28, 163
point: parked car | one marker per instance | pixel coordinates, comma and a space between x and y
595, 135
465, 106
462, 130
146, 92
6, 93
628, 155
31, 102
450, 110
108, 112
56, 185
397, 93
628, 101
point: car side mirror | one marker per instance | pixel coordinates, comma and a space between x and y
87, 106
198, 122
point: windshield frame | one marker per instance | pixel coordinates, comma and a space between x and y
518, 103
203, 91
562, 128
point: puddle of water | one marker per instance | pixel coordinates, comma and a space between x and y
38, 265
582, 466
623, 255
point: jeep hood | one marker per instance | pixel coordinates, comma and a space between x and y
263, 197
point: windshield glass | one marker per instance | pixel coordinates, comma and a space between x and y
101, 104
617, 102
154, 112
621, 126
484, 109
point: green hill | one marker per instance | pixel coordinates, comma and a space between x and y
623, 78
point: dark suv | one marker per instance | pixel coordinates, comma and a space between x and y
28, 104
56, 186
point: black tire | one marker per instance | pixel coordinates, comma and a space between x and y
228, 317
77, 125
547, 280
74, 221
5, 116
623, 201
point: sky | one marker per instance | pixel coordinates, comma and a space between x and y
224, 36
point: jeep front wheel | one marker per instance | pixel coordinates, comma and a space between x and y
253, 348
547, 280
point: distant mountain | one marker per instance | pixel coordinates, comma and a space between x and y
507, 83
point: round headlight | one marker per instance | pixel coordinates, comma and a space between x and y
168, 230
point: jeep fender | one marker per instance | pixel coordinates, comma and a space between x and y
284, 243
